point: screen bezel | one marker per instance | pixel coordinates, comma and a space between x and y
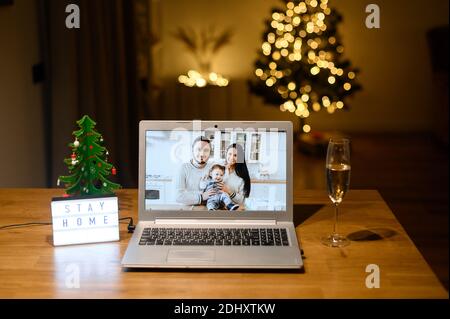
151, 215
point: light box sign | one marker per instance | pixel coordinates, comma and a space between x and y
85, 220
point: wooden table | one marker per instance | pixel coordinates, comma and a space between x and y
30, 267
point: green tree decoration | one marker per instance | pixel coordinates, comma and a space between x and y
88, 164
300, 67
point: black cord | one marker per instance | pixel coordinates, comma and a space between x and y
131, 226
25, 224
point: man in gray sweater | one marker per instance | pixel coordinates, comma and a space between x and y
191, 173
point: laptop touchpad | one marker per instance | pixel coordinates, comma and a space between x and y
190, 255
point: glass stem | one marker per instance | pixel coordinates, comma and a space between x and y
335, 218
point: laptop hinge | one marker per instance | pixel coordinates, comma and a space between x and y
216, 221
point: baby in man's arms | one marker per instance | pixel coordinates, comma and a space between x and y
220, 199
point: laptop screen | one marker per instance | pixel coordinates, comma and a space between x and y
230, 169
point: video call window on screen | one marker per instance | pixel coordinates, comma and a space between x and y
212, 170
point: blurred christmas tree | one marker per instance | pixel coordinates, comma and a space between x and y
88, 164
300, 67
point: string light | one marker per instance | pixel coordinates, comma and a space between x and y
306, 128
302, 7
297, 32
315, 70
183, 79
289, 105
200, 82
305, 113
326, 101
213, 77
195, 78
330, 110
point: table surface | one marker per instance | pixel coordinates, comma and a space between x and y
30, 267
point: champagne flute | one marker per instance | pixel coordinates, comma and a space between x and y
338, 181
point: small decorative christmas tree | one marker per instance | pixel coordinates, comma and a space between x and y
88, 164
300, 67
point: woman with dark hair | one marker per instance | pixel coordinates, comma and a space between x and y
236, 180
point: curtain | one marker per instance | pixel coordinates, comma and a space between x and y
93, 71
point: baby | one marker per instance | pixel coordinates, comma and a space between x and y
221, 198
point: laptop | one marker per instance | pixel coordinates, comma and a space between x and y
215, 194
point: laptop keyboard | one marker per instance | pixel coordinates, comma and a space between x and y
215, 237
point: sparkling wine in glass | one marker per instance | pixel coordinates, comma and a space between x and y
338, 180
